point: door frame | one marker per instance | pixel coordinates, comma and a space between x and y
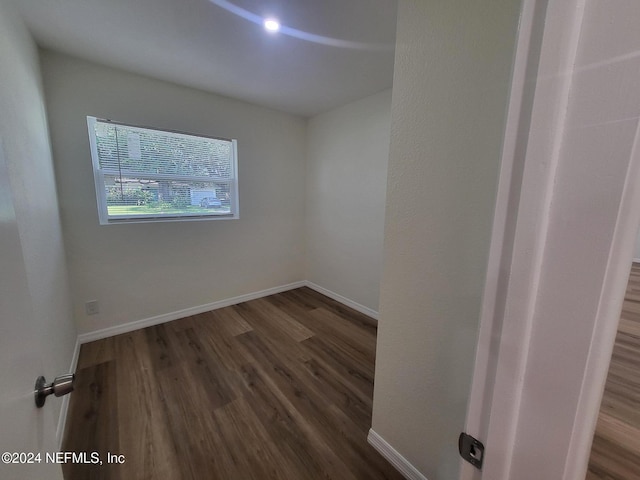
543, 77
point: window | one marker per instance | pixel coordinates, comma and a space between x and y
147, 174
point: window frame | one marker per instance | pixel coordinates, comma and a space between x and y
99, 175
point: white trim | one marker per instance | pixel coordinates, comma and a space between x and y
529, 212
344, 300
62, 418
607, 319
479, 403
400, 463
168, 317
513, 431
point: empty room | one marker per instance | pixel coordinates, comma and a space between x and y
291, 239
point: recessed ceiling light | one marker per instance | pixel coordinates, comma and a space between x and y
271, 24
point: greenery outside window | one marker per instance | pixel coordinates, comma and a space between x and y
148, 174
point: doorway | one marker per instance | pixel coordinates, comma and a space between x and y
615, 452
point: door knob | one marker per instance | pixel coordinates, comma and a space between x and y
60, 386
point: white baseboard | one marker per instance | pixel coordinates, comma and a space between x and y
168, 317
344, 300
62, 418
400, 463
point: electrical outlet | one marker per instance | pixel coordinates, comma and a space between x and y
92, 307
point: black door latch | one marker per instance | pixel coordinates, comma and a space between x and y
471, 450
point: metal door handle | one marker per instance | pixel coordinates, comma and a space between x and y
60, 386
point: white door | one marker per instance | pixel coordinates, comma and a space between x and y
567, 216
24, 429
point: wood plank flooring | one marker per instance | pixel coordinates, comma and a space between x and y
615, 454
275, 388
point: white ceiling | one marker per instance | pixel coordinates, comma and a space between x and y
204, 44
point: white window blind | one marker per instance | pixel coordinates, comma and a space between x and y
147, 174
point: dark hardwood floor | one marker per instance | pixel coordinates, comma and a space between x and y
275, 388
615, 454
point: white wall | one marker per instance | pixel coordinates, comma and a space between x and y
138, 271
636, 251
38, 335
348, 150
450, 93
